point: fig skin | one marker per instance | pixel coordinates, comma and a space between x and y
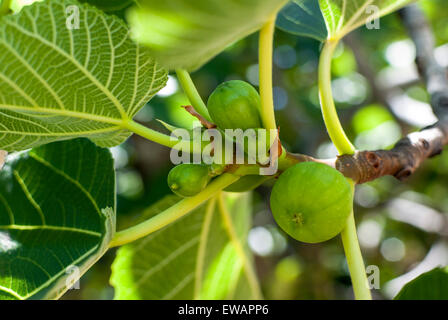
235, 104
187, 180
312, 202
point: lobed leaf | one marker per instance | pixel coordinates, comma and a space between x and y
432, 285
192, 258
59, 83
186, 34
57, 216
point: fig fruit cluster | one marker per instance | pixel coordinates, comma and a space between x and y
310, 201
232, 105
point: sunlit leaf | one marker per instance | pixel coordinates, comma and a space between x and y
58, 83
191, 258
432, 285
57, 216
343, 16
186, 34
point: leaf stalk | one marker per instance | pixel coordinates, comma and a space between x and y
337, 135
329, 112
173, 213
265, 61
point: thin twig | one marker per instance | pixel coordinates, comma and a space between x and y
401, 161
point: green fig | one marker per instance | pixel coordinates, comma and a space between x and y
187, 180
235, 105
311, 202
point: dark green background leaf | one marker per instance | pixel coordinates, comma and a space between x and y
303, 18
191, 258
432, 285
57, 210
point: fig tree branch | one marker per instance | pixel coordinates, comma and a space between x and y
401, 161
410, 152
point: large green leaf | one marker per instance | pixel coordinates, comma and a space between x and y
186, 34
57, 216
58, 83
303, 18
432, 285
191, 258
336, 17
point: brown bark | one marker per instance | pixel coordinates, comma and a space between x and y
401, 161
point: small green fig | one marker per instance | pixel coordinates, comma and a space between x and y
235, 105
311, 202
187, 180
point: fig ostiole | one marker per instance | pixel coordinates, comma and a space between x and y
235, 104
311, 202
187, 180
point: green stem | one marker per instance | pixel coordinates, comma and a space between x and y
5, 7
354, 259
330, 115
337, 135
209, 211
161, 138
173, 213
265, 61
192, 93
249, 269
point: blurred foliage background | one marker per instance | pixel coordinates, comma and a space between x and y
403, 227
